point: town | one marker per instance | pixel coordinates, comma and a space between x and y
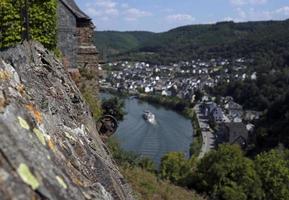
180, 79
221, 121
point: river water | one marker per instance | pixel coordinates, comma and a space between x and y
171, 132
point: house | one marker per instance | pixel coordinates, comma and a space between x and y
75, 32
148, 89
235, 111
217, 115
207, 108
213, 112
234, 133
250, 115
166, 93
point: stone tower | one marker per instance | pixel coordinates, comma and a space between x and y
75, 35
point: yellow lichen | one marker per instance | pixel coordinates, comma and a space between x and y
40, 136
2, 102
36, 114
5, 75
61, 182
27, 177
23, 123
77, 181
50, 143
20, 88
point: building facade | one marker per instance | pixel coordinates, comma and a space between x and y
75, 36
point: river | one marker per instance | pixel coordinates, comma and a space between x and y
172, 131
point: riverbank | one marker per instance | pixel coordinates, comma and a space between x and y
195, 147
174, 103
207, 133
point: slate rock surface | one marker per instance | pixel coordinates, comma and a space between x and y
49, 147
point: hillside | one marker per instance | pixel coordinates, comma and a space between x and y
114, 42
226, 39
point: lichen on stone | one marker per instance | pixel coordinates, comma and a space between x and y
40, 136
3, 175
50, 143
61, 182
68, 136
27, 177
36, 114
4, 75
23, 123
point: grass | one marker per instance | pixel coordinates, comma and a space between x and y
147, 186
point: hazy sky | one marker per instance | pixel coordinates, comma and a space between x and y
162, 15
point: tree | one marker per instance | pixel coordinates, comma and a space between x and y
198, 95
114, 107
273, 170
175, 167
227, 174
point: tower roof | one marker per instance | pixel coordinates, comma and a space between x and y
72, 6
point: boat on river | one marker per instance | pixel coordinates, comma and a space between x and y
149, 116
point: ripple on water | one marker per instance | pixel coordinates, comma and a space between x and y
172, 132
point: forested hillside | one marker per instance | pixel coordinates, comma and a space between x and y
114, 42
225, 39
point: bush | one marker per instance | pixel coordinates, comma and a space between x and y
93, 102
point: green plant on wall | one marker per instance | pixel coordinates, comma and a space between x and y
10, 23
42, 22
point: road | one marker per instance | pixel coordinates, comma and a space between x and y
207, 133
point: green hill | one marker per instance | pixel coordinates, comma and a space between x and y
114, 42
224, 39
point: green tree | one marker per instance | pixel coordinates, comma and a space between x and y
174, 167
273, 170
113, 106
227, 174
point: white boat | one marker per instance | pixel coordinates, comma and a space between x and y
149, 116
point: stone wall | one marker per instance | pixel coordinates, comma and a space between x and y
67, 35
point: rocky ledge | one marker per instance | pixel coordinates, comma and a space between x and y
49, 146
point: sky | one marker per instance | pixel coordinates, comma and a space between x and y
163, 15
